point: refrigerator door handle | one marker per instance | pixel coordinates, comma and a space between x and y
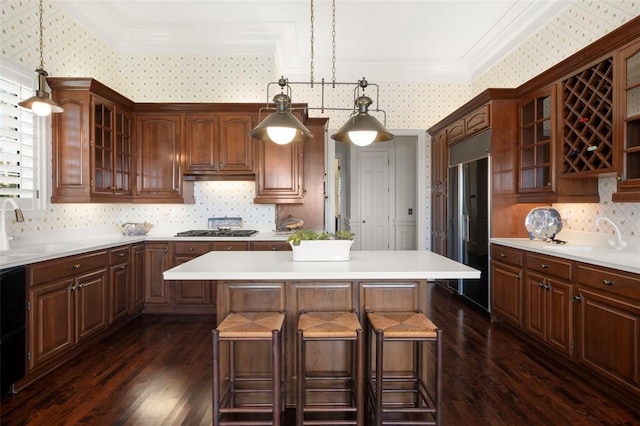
466, 219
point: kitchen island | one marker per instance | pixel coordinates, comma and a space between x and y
271, 281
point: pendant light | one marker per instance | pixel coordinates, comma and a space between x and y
283, 127
41, 104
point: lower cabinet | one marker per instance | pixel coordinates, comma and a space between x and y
136, 300
588, 313
119, 282
68, 303
608, 320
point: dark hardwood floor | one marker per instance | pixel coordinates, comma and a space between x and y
157, 370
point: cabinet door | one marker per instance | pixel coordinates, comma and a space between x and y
137, 278
192, 292
119, 291
607, 337
279, 173
537, 115
270, 246
71, 142
158, 174
123, 153
560, 316
202, 134
628, 149
536, 305
91, 304
157, 259
236, 146
51, 320
506, 292
103, 114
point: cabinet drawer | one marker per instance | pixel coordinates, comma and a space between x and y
477, 120
270, 246
191, 247
119, 255
67, 266
609, 280
455, 132
230, 246
506, 255
547, 265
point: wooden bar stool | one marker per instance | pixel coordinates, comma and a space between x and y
402, 397
242, 400
344, 401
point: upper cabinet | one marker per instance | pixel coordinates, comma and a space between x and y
628, 156
587, 121
279, 173
219, 145
92, 146
158, 173
536, 142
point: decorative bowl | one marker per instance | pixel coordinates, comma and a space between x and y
132, 228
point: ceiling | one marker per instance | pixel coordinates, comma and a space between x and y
382, 40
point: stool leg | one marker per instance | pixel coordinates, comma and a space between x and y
418, 368
438, 377
275, 349
300, 378
379, 376
215, 403
358, 376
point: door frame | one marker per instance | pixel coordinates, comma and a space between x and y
423, 212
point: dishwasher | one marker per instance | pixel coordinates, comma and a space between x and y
13, 295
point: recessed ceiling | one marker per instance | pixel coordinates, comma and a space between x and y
382, 40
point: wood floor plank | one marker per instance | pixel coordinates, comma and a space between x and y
157, 371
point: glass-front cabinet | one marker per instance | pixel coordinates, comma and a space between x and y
629, 156
536, 142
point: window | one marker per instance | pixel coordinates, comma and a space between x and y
22, 165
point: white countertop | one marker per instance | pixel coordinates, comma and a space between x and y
591, 250
363, 265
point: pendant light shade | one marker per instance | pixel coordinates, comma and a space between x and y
281, 127
41, 104
362, 129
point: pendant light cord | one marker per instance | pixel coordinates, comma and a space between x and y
333, 42
41, 10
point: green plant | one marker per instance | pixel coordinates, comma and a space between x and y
308, 234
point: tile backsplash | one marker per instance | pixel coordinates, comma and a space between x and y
71, 50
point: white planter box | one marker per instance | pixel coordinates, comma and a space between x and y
322, 250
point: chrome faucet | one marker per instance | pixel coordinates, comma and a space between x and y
4, 236
619, 245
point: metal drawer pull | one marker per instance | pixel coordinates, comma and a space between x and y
517, 276
540, 285
503, 255
75, 266
608, 282
544, 266
121, 254
191, 249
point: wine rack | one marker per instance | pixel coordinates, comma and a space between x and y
587, 121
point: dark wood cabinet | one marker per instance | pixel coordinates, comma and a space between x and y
312, 211
92, 147
608, 325
219, 145
158, 170
120, 283
279, 171
136, 298
270, 246
628, 142
506, 284
68, 302
157, 259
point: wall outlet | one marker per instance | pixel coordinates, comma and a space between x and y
410, 212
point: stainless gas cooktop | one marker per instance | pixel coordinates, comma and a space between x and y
217, 233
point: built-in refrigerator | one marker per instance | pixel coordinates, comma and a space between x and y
469, 215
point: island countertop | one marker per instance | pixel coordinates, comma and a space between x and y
391, 265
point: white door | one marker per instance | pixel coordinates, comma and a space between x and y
374, 200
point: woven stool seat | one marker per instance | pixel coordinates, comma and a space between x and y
412, 396
403, 324
328, 324
250, 325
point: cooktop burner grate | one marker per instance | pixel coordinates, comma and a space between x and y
217, 233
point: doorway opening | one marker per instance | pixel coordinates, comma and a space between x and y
380, 191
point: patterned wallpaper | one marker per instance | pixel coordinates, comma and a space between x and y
70, 50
